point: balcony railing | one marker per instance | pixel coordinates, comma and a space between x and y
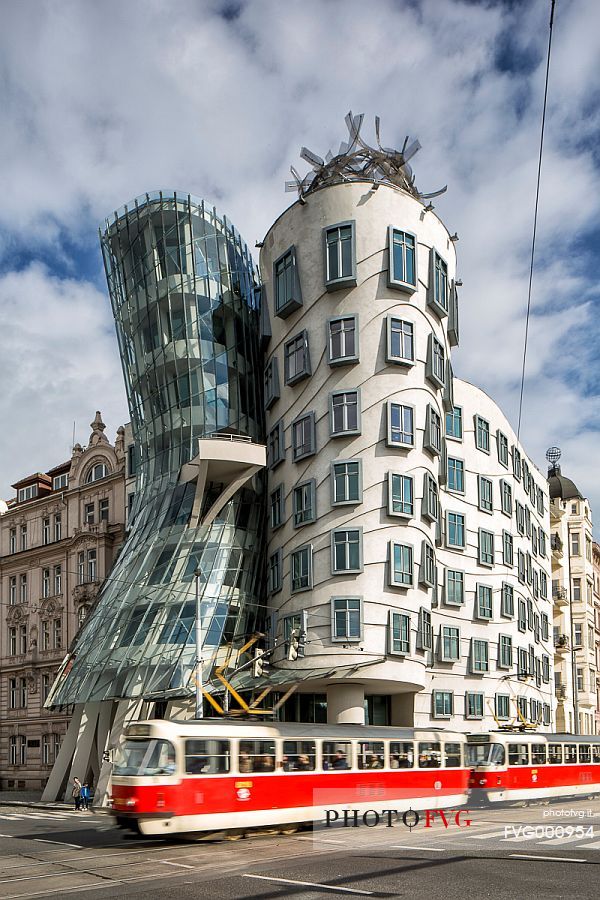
561, 642
556, 543
561, 692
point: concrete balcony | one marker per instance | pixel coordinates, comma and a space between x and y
560, 596
561, 644
226, 459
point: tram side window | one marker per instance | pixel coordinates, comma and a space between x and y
585, 753
518, 754
596, 753
402, 755
299, 756
207, 757
257, 756
370, 755
570, 753
452, 756
538, 754
555, 754
430, 755
337, 755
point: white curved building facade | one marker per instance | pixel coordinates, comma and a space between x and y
395, 548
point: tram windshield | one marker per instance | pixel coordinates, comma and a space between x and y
145, 757
486, 754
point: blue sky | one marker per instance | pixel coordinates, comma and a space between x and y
102, 102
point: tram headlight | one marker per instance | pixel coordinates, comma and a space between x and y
130, 801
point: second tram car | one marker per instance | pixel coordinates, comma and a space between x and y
214, 775
511, 766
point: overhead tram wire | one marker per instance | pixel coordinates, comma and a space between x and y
535, 217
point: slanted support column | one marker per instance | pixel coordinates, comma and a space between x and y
65, 755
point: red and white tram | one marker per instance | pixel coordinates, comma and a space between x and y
510, 767
179, 777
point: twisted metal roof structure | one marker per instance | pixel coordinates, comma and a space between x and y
358, 161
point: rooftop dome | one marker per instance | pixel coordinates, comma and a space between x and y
562, 488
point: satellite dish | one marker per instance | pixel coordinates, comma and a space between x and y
553, 454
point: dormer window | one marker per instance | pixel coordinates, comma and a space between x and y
96, 473
27, 493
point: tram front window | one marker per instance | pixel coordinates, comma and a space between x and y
147, 757
486, 754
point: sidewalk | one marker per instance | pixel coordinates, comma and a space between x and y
30, 798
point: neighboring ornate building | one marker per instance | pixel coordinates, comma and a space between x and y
58, 539
596, 560
575, 608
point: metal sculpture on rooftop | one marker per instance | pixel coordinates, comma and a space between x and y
358, 161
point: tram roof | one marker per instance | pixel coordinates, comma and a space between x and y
228, 728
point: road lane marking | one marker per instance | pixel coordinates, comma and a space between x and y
321, 840
547, 858
417, 847
312, 884
167, 862
62, 843
485, 837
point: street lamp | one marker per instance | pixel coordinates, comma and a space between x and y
199, 699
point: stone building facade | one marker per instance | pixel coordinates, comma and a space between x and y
574, 607
409, 531
59, 537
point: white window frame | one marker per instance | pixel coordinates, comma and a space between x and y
447, 709
438, 293
294, 301
303, 422
483, 593
304, 553
407, 573
345, 430
404, 480
453, 655
310, 489
402, 284
449, 544
403, 358
346, 478
343, 280
402, 648
333, 544
447, 601
346, 358
346, 639
403, 407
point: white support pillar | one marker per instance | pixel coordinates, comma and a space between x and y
346, 704
121, 714
65, 755
85, 743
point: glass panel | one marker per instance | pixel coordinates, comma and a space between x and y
337, 755
453, 755
518, 754
145, 758
299, 756
430, 755
402, 754
257, 756
370, 755
207, 757
555, 754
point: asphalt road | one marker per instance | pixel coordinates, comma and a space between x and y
545, 851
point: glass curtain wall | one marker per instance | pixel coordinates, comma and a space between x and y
185, 298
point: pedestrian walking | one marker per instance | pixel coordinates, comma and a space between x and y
86, 795
76, 793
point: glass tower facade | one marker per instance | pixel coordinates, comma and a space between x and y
185, 298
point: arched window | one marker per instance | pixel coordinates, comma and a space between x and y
82, 614
96, 473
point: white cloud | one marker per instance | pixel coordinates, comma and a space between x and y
106, 101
